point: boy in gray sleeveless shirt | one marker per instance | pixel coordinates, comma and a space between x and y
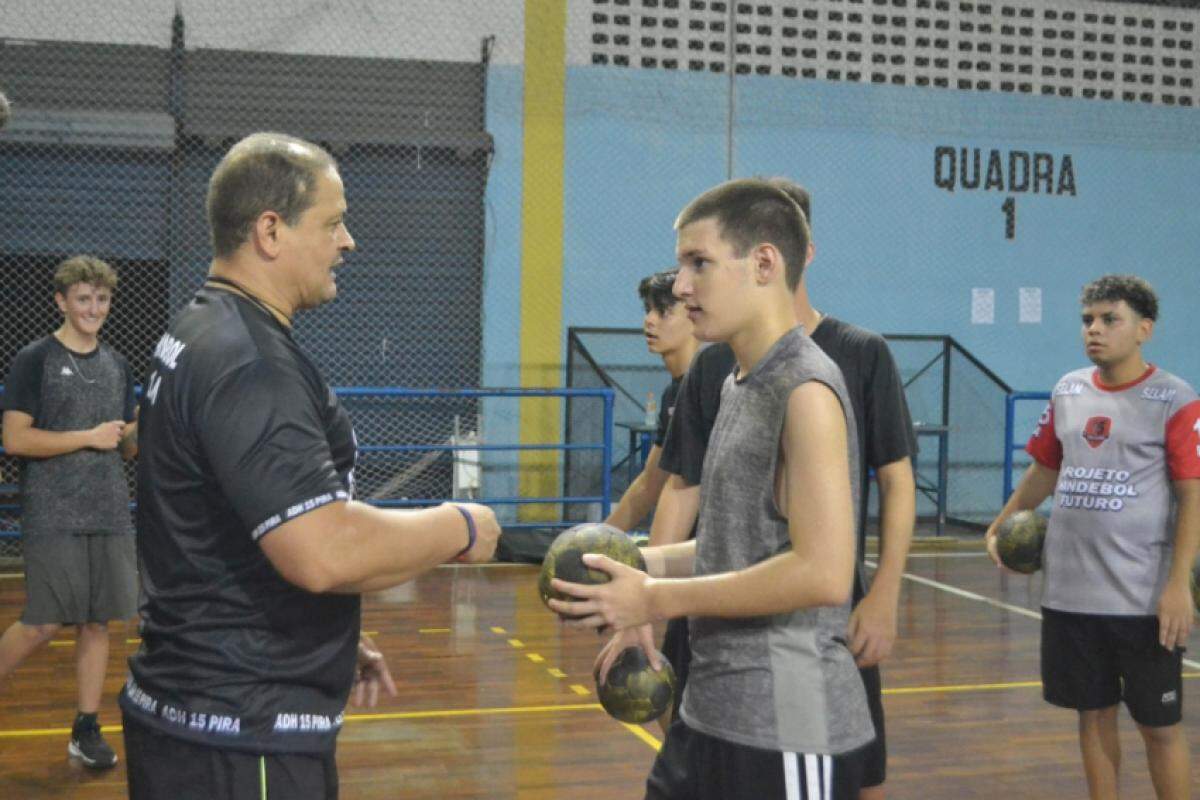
773, 692
1119, 447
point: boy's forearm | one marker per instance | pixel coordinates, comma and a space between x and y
781, 584
674, 560
129, 441
676, 512
1187, 530
37, 443
897, 501
640, 497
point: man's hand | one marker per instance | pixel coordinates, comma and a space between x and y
872, 629
487, 534
642, 635
623, 602
106, 435
1175, 612
372, 673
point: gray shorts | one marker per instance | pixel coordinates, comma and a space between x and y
71, 580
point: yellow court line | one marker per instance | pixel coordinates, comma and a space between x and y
470, 712
71, 642
966, 687
980, 687
535, 658
556, 672
643, 734
577, 688
433, 630
516, 643
498, 630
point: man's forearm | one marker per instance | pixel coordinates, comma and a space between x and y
354, 547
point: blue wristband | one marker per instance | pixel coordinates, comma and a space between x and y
470, 530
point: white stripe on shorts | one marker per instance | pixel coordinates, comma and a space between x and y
791, 776
818, 777
812, 779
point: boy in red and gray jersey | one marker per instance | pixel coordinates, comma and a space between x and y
1119, 446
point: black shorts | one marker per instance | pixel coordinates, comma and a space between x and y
161, 766
679, 653
874, 755
695, 766
1093, 661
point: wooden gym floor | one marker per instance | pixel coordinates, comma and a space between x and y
497, 699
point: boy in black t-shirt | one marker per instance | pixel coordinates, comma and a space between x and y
669, 335
69, 415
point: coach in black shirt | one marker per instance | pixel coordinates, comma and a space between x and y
253, 552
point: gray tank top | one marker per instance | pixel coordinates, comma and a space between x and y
785, 682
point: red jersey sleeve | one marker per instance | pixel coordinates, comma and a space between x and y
1044, 445
1183, 442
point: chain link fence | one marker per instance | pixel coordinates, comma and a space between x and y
117, 126
950, 145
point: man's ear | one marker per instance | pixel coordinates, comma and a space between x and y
266, 234
61, 302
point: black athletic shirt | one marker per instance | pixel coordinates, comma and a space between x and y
83, 492
697, 402
238, 434
872, 380
666, 408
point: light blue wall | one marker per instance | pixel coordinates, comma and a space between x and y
899, 254
895, 252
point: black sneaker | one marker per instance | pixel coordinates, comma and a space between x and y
88, 745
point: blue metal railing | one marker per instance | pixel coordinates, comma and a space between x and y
1010, 447
605, 447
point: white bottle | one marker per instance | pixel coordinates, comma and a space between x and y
651, 420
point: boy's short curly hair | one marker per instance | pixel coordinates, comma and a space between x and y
1133, 290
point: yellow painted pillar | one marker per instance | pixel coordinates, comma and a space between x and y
542, 249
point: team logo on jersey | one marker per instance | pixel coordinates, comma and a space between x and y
1096, 430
